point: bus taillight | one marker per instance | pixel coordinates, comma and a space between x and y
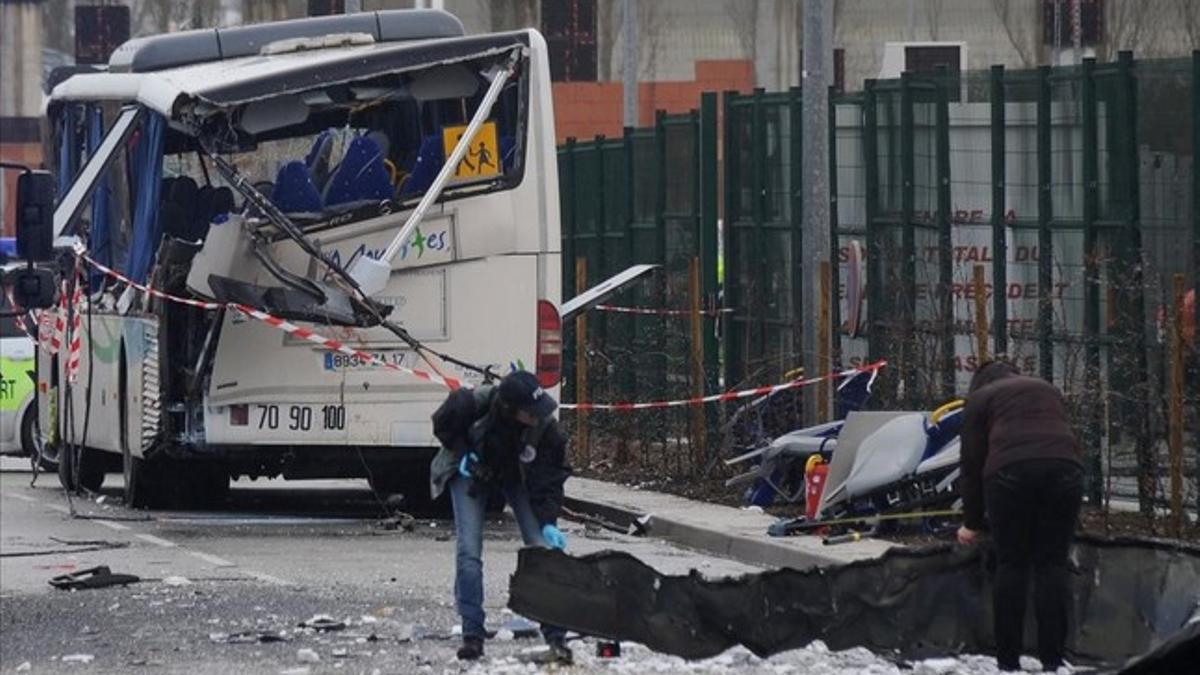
549, 344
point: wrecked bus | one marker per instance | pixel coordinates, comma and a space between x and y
380, 179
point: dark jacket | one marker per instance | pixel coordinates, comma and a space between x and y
1012, 419
468, 421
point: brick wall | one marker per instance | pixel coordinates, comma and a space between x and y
585, 109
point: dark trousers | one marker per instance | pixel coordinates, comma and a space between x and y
1033, 507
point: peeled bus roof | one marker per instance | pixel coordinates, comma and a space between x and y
238, 80
172, 50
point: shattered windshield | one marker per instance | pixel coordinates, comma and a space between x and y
362, 148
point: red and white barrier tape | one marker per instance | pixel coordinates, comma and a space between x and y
452, 383
285, 326
19, 316
872, 368
650, 311
74, 349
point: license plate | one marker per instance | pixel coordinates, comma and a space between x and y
336, 361
302, 418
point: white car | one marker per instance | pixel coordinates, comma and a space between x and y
18, 414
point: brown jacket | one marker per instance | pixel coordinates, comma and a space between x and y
1013, 419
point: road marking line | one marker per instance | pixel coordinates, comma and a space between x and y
212, 559
111, 525
270, 579
157, 541
24, 498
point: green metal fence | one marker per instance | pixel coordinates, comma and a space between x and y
1072, 187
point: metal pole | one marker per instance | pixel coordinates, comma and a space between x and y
629, 55
815, 81
999, 225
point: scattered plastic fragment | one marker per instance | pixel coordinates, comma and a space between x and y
176, 581
307, 656
248, 637
323, 623
24, 667
78, 658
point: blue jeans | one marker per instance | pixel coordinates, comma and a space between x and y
469, 514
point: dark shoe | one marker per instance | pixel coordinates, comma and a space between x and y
559, 652
471, 649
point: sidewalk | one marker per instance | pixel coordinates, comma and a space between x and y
712, 528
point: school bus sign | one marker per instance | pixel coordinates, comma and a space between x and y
483, 154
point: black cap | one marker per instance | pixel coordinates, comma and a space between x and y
521, 390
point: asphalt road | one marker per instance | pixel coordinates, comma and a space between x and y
277, 554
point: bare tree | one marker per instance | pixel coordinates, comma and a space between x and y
1126, 26
58, 20
1187, 15
514, 14
1017, 28
744, 16
933, 17
652, 23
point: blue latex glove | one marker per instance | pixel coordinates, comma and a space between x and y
554, 536
464, 464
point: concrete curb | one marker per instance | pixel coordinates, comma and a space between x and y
720, 530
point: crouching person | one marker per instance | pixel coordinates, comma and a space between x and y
499, 440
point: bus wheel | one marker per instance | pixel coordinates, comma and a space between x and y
139, 486
212, 485
90, 471
34, 442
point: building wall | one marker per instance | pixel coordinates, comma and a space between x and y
20, 97
587, 109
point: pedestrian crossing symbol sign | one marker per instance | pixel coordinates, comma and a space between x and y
482, 159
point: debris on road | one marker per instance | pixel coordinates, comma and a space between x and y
177, 581
307, 656
25, 666
93, 577
248, 637
78, 658
323, 623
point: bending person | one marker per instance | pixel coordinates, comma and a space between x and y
1021, 467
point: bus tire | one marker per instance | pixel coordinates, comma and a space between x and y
211, 487
41, 453
90, 473
139, 487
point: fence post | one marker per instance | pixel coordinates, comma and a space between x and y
758, 162
945, 233
581, 369
567, 189
599, 192
708, 226
908, 274
733, 289
799, 275
1091, 288
1045, 320
1175, 404
870, 140
981, 317
999, 220
835, 314
823, 340
660, 243
1130, 308
630, 382
1196, 245
699, 434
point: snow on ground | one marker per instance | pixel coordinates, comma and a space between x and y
815, 659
